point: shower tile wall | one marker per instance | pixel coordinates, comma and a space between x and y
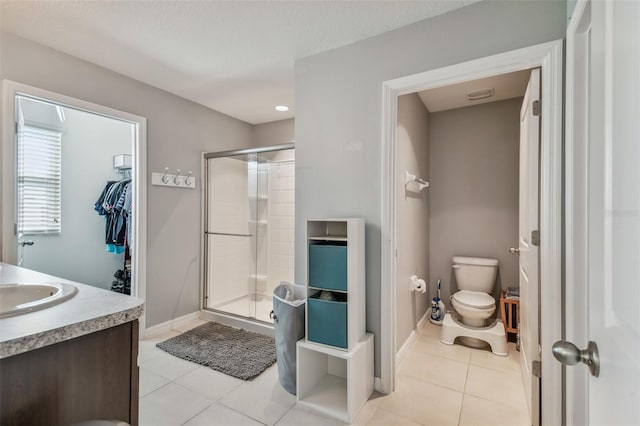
258, 202
281, 218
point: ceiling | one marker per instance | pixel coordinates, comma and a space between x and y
236, 57
505, 86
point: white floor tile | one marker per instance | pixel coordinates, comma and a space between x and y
300, 415
218, 414
507, 364
161, 337
262, 399
493, 385
171, 405
429, 329
432, 345
430, 384
147, 352
385, 418
480, 412
168, 366
268, 374
423, 402
366, 413
209, 383
150, 381
434, 369
147, 347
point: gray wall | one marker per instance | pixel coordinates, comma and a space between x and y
273, 133
412, 214
571, 5
338, 111
178, 131
89, 143
473, 160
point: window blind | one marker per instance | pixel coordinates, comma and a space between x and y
39, 181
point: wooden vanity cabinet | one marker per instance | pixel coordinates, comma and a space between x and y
91, 377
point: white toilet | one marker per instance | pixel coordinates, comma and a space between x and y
474, 305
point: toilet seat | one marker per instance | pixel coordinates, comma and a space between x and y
474, 299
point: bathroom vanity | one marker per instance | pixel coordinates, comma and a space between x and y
72, 361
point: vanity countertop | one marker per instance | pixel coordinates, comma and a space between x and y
90, 310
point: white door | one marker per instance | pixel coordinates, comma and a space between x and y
603, 211
528, 223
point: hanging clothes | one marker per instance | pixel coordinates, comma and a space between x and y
110, 204
98, 204
127, 206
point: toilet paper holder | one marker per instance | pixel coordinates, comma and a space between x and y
409, 178
417, 284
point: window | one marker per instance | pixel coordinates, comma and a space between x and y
39, 181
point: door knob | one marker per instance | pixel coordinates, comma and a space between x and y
26, 243
513, 250
569, 354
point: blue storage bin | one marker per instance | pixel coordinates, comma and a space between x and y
328, 266
327, 322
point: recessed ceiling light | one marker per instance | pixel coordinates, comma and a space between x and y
282, 108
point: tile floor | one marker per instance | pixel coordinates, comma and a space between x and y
436, 385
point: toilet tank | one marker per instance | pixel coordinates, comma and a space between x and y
475, 273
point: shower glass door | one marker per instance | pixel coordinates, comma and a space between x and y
248, 230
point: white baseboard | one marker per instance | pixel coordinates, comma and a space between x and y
424, 318
412, 337
168, 325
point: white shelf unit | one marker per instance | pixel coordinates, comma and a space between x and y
335, 382
350, 293
329, 238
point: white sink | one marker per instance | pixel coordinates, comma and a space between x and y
16, 299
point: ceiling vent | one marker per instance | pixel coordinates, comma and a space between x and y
476, 95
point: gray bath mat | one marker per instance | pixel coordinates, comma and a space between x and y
238, 353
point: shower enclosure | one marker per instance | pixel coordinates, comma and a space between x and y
248, 229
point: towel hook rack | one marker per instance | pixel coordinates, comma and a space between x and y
179, 180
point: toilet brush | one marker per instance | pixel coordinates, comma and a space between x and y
437, 308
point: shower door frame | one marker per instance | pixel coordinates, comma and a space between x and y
204, 246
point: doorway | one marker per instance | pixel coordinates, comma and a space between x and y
465, 140
60, 155
66, 158
549, 58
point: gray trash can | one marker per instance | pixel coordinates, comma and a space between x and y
288, 321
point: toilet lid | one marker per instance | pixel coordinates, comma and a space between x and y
474, 299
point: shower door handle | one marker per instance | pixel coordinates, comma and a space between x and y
229, 234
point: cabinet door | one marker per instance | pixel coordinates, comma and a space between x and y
328, 266
327, 321
98, 380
